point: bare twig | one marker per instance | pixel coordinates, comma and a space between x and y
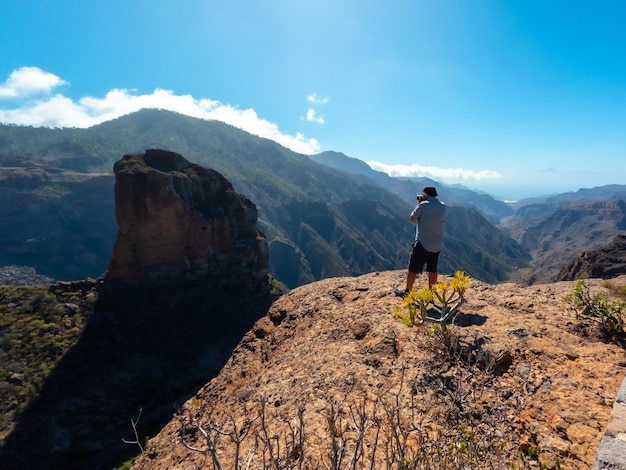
134, 426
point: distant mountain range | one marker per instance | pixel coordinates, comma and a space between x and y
609, 191
553, 229
62, 218
324, 216
490, 208
556, 234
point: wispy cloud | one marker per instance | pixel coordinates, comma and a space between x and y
312, 116
313, 98
445, 175
30, 91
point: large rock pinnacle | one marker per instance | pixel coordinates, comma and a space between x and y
179, 221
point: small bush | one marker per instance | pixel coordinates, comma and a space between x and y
416, 304
450, 295
598, 307
452, 292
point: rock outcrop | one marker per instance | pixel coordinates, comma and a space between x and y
517, 368
605, 262
22, 276
188, 279
179, 221
553, 236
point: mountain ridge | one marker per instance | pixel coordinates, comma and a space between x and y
283, 185
554, 235
604, 262
490, 208
45, 198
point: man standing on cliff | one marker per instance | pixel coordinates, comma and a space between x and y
429, 214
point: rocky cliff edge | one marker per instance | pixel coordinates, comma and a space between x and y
331, 374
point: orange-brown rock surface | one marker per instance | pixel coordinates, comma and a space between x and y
525, 373
607, 261
180, 221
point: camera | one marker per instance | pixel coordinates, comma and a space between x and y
420, 198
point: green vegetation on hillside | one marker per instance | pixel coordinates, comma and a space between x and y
37, 327
597, 307
80, 359
326, 222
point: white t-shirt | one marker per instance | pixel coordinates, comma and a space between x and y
430, 215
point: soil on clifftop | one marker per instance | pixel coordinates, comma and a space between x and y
331, 374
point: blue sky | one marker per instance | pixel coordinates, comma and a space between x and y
516, 97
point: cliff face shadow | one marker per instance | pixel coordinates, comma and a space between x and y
143, 349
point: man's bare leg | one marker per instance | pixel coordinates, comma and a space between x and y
432, 279
410, 280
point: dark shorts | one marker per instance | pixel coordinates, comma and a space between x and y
420, 257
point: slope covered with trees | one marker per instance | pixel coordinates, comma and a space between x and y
320, 222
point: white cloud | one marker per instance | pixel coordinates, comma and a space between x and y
312, 116
445, 175
316, 99
28, 81
60, 111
